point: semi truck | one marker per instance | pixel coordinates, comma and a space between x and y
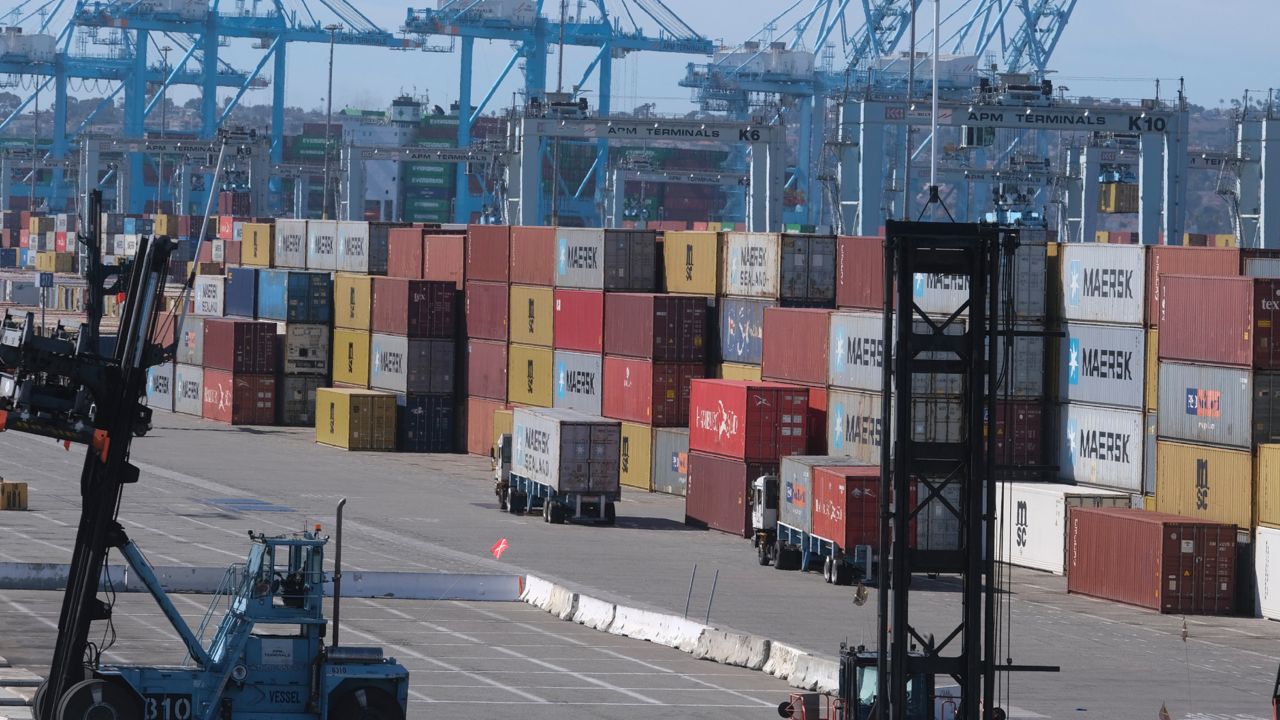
563, 463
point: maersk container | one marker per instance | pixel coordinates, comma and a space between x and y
1023, 369
322, 245
291, 244
1033, 520
795, 488
1102, 364
359, 249
1266, 569
595, 259
1103, 283
1101, 446
857, 351
208, 296
1236, 407
160, 387
752, 265
579, 381
670, 460
938, 294
807, 266
567, 451
411, 365
742, 330
855, 429
188, 389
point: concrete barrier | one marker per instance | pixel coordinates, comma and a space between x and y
668, 630
537, 592
562, 603
593, 613
814, 673
782, 660
730, 648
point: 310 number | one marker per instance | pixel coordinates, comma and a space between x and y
167, 707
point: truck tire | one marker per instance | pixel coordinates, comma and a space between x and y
37, 700
842, 574
516, 502
762, 554
546, 511
364, 703
557, 514
787, 559
93, 699
826, 570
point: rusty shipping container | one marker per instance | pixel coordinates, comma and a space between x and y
647, 392
489, 252
1218, 320
758, 422
414, 308
1168, 563
662, 328
239, 398
480, 413
240, 346
533, 255
444, 258
717, 492
487, 369
797, 347
486, 310
405, 251
860, 272
1183, 260
579, 320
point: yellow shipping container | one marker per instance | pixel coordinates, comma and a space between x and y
352, 301
739, 371
503, 422
532, 315
1205, 482
529, 377
257, 240
13, 496
356, 419
1151, 376
692, 260
1269, 485
1101, 236
351, 357
1223, 240
164, 224
635, 458
55, 262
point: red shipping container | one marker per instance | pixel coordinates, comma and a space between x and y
646, 392
487, 307
226, 227
716, 497
243, 347
414, 308
1019, 428
816, 422
239, 399
1168, 563
480, 424
405, 252
797, 345
663, 328
860, 272
24, 237
231, 252
533, 255
1221, 321
444, 259
60, 242
487, 369
489, 252
1179, 260
758, 422
579, 320
846, 506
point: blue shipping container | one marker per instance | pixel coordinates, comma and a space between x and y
741, 328
426, 423
9, 257
295, 296
242, 292
27, 257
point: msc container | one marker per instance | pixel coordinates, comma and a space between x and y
693, 262
647, 392
444, 258
190, 342
240, 346
296, 400
411, 365
351, 357
567, 451
356, 419
799, 341
405, 252
717, 492
1184, 260
533, 255
426, 423
257, 244
489, 252
662, 328
1103, 283
670, 460
291, 244
160, 387
751, 265
807, 265
360, 250
322, 245
579, 320
414, 308
481, 418
487, 369
532, 315
529, 376
742, 330
1219, 405
295, 296
188, 389
1033, 520
1102, 364
486, 306
208, 295
1266, 571
579, 381
306, 349
241, 292
1101, 446
635, 457
1224, 321
1205, 482
239, 398
795, 488
1160, 561
352, 301
758, 422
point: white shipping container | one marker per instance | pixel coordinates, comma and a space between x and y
751, 264
857, 350
568, 451
944, 294
208, 294
188, 389
117, 245
1266, 567
1101, 446
1102, 364
353, 246
160, 387
855, 428
1262, 267
130, 245
322, 244
579, 381
290, 244
1033, 520
218, 251
306, 349
1103, 283
580, 258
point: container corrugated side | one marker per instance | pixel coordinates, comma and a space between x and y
351, 357
1184, 260
758, 422
1268, 484
352, 301
411, 365
635, 458
939, 294
188, 389
530, 379
670, 460
1103, 283
807, 268
854, 425
532, 315
291, 244
580, 258
486, 310
1217, 320
795, 488
487, 369
579, 381
322, 245
799, 340
1151, 381
630, 260
717, 492
1211, 404
1102, 364
1266, 571
1033, 520
751, 265
860, 272
857, 351
663, 328
1205, 482
160, 387
489, 252
566, 450
1101, 446
533, 255
693, 262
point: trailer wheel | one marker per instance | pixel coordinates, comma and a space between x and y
99, 700
37, 700
364, 703
557, 513
762, 554
841, 573
502, 500
516, 503
826, 570
786, 559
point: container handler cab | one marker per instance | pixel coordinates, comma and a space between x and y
856, 697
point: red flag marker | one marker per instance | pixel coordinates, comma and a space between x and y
499, 548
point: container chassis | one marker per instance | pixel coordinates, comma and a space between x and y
524, 496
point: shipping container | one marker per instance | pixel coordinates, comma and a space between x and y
239, 398
595, 259
846, 506
351, 357
489, 252
290, 244
240, 346
1020, 431
807, 272
486, 310
670, 460
742, 330
759, 422
1032, 518
939, 294
426, 423
635, 457
1163, 562
718, 490
503, 424
411, 365
1174, 260
241, 292
160, 387
739, 371
532, 315
295, 296
487, 369
579, 381
189, 349
1101, 446
1102, 364
322, 245
798, 345
405, 252
296, 400
1024, 366
530, 379
1103, 283
795, 488
641, 391
188, 389
258, 243
1151, 381
1223, 321
662, 328
352, 301
1205, 482
855, 428
579, 320
360, 250
856, 350
751, 265
693, 262
306, 349
444, 258
208, 296
1228, 406
480, 419
414, 308
567, 451
1268, 484
533, 255
356, 419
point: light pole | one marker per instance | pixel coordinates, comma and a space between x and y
164, 123
328, 120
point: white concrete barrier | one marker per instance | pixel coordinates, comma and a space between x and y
562, 603
814, 673
730, 648
782, 660
669, 630
537, 592
593, 613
